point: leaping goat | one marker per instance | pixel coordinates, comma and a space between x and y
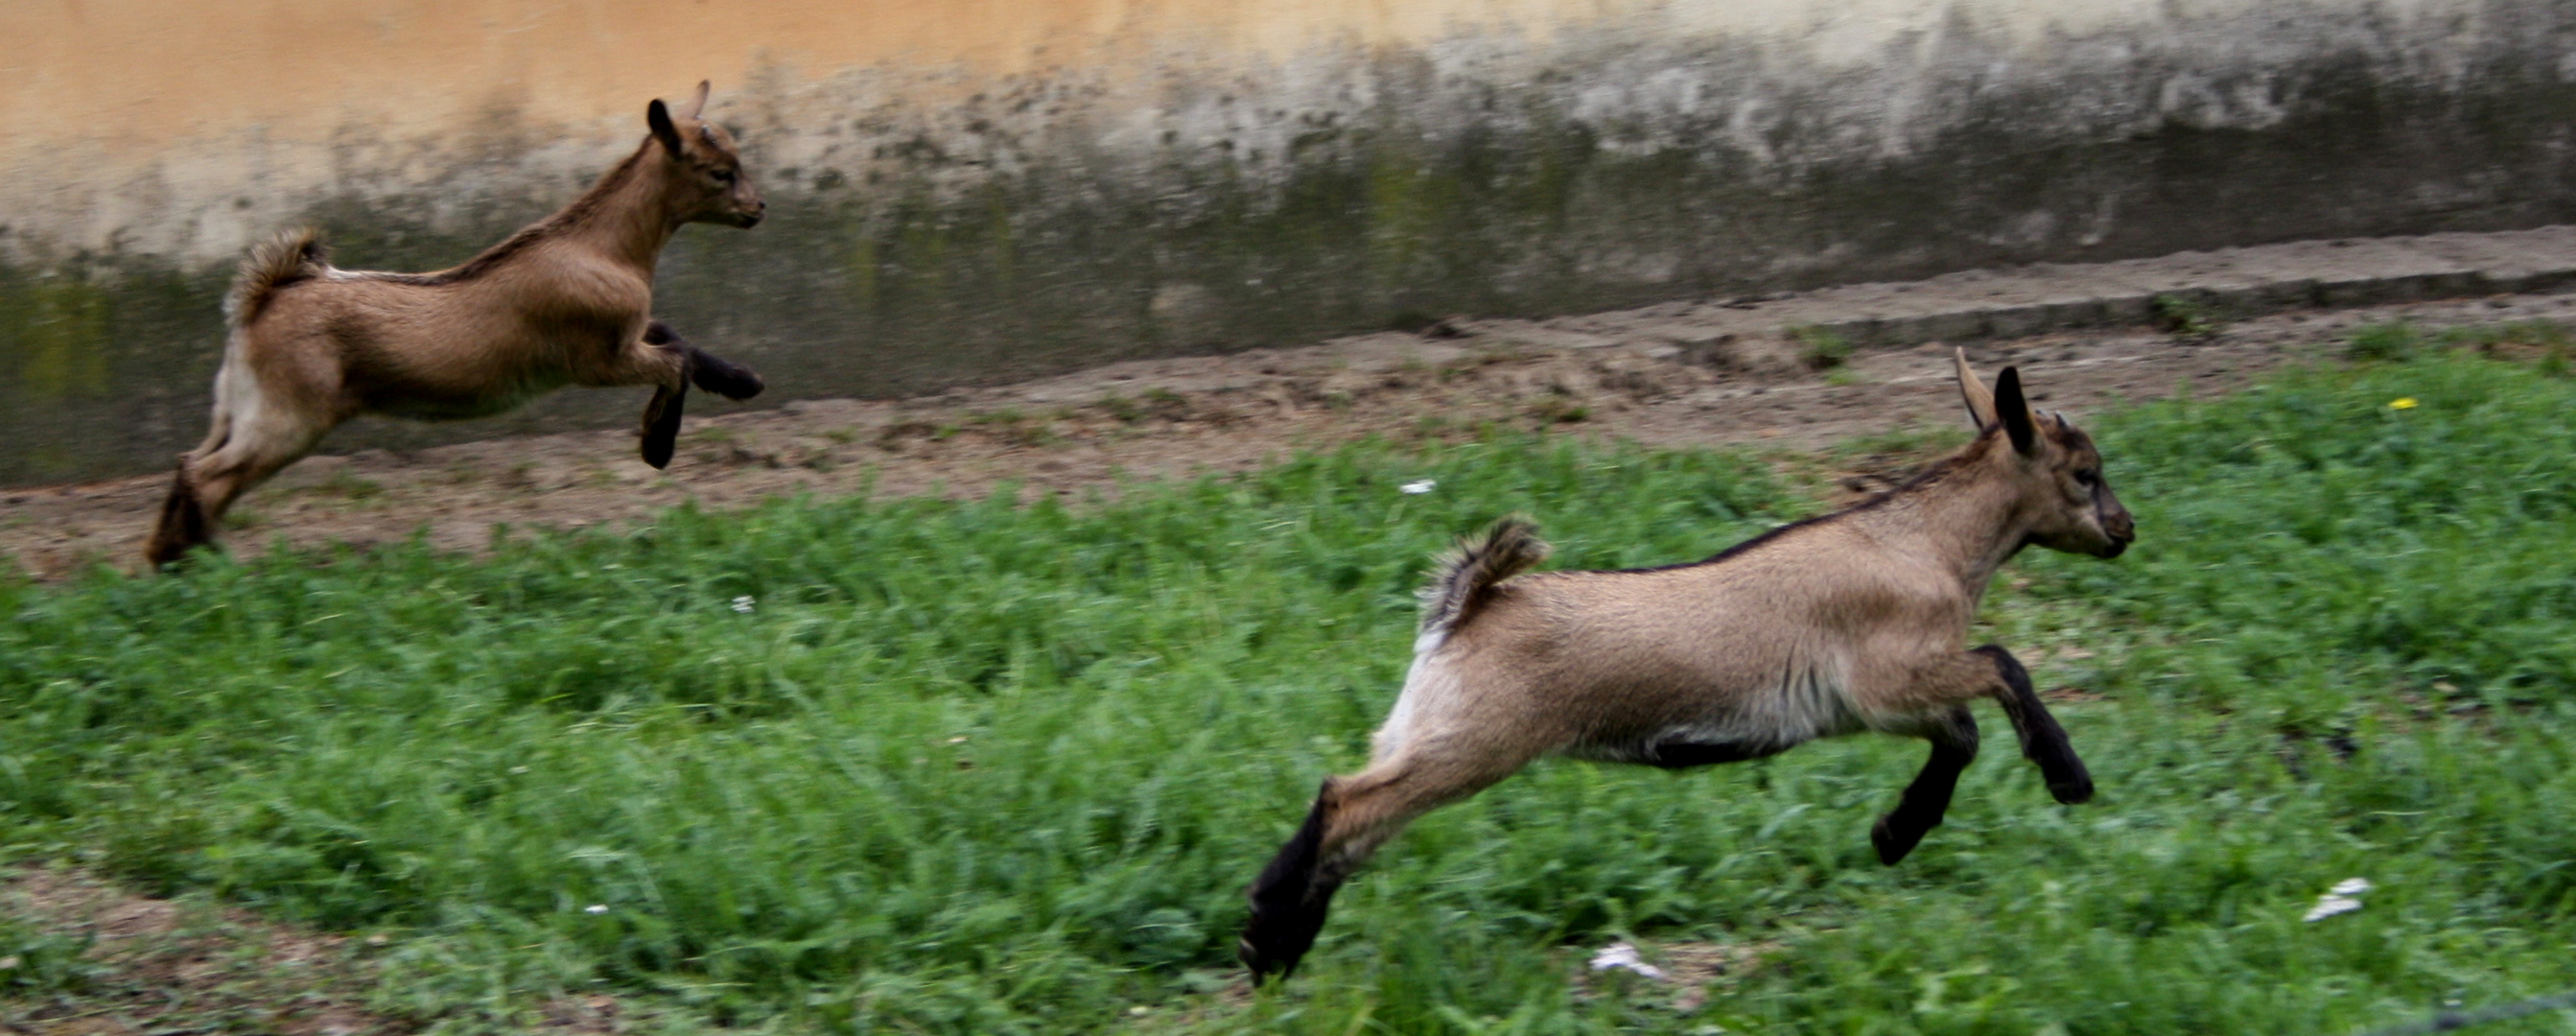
1857, 620
566, 301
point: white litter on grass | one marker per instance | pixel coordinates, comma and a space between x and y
2338, 900
1418, 488
743, 604
595, 908
1621, 956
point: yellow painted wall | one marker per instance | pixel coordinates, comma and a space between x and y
978, 189
205, 97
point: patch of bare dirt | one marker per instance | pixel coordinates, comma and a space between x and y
158, 966
1645, 375
1679, 976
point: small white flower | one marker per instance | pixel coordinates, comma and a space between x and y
2338, 900
595, 908
743, 604
1622, 956
1417, 488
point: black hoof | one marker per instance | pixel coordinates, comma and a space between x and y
2074, 792
730, 380
1892, 842
1268, 952
1258, 963
662, 425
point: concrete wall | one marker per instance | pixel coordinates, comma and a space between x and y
981, 190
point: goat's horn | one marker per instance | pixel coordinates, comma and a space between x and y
1981, 400
700, 104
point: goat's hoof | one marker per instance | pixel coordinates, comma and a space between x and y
1272, 946
1892, 845
1263, 965
659, 444
730, 380
2073, 793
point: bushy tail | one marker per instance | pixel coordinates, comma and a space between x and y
286, 257
1468, 574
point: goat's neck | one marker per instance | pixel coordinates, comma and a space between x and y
1970, 521
627, 216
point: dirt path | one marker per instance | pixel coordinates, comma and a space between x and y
149, 966
1659, 375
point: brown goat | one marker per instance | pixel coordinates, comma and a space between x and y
566, 301
1857, 620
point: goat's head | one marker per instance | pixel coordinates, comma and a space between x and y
705, 174
2054, 467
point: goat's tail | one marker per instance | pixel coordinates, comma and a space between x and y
1465, 583
286, 257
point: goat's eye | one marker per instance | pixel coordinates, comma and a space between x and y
2089, 477
723, 175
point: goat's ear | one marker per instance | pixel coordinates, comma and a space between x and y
2015, 412
1981, 403
659, 118
700, 104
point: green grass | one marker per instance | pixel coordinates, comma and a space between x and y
2185, 316
1821, 349
2391, 341
34, 962
1002, 767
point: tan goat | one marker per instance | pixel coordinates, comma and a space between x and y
1857, 620
566, 301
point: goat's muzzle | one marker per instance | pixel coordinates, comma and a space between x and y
2120, 534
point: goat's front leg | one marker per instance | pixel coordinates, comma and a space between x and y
1948, 682
662, 415
1953, 733
665, 350
662, 424
711, 372
2042, 741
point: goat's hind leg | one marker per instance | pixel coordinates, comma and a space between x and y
1351, 817
1953, 733
261, 445
183, 525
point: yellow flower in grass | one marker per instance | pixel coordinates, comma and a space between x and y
2402, 403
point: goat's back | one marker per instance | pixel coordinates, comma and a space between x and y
424, 347
1793, 636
